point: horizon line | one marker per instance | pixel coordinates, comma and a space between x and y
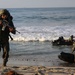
34, 7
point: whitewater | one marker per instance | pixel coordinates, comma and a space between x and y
43, 24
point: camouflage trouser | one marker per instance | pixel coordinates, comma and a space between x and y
5, 56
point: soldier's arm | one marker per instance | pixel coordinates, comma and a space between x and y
12, 30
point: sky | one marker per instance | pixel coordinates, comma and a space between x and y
36, 3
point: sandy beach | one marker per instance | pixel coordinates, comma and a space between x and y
40, 70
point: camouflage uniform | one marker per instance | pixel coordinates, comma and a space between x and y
4, 44
4, 37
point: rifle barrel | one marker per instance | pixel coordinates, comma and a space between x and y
18, 31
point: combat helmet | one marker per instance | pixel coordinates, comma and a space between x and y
4, 11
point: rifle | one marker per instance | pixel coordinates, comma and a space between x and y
5, 23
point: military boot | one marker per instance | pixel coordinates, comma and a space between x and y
4, 63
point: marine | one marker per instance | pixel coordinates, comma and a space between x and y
6, 27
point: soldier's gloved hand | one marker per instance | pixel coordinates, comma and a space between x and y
12, 30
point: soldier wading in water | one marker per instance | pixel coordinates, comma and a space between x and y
6, 26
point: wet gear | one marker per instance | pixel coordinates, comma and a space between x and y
8, 19
5, 33
4, 44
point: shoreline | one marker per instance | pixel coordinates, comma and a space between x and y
37, 62
29, 68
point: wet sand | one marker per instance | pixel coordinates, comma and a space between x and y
28, 67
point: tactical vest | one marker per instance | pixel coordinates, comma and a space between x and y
4, 34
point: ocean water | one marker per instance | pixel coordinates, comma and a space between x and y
41, 24
38, 27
